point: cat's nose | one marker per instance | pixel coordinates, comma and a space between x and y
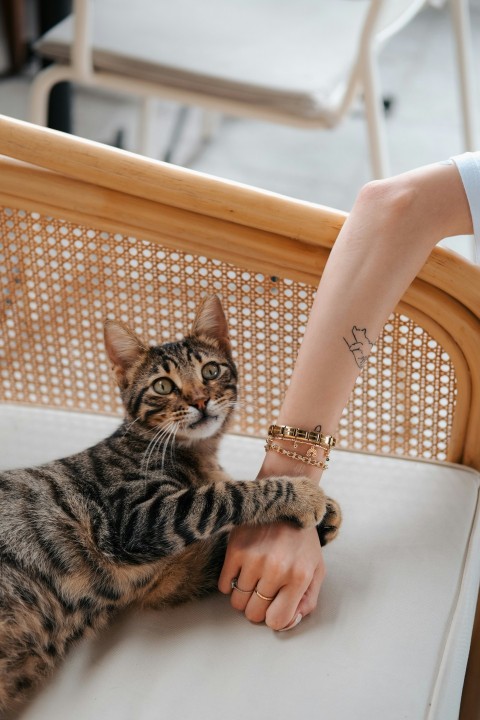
200, 403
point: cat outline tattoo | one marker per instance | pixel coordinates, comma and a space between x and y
361, 346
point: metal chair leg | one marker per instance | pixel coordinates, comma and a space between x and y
375, 117
461, 25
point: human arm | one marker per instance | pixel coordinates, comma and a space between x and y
388, 236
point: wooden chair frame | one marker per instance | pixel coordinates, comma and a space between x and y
74, 179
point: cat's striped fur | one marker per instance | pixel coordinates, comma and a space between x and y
142, 516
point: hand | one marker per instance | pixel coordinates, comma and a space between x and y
282, 562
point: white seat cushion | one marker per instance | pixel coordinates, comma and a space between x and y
289, 57
388, 641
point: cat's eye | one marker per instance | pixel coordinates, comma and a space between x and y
163, 386
210, 371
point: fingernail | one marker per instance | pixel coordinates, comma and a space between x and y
292, 624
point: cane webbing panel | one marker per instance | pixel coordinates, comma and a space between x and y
59, 282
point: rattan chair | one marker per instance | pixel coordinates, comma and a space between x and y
301, 64
88, 231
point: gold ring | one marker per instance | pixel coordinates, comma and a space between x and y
263, 597
234, 586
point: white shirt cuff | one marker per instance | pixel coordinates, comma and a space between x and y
468, 166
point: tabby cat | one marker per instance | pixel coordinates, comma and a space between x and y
141, 517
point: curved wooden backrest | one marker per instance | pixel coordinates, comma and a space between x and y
89, 231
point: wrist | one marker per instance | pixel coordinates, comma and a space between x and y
276, 464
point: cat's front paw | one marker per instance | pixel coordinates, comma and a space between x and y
330, 524
308, 505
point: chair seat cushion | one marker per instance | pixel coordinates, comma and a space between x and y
389, 638
291, 58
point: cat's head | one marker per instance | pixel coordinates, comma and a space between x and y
191, 383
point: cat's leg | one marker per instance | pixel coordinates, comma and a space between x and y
192, 574
195, 571
167, 523
23, 664
38, 623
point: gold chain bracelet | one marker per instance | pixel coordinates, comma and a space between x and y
313, 446
308, 458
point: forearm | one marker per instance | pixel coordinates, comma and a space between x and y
390, 232
387, 238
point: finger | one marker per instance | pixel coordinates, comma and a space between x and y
309, 601
235, 553
284, 608
296, 620
231, 569
245, 586
264, 595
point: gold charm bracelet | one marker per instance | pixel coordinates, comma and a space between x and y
308, 459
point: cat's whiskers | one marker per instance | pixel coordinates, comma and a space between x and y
228, 404
171, 437
130, 425
150, 448
165, 435
183, 419
144, 432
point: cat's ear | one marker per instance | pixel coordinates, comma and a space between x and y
210, 322
123, 347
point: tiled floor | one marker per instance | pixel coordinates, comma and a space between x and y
417, 68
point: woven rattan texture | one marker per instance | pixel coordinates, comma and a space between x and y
59, 281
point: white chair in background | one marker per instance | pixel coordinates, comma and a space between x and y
301, 63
